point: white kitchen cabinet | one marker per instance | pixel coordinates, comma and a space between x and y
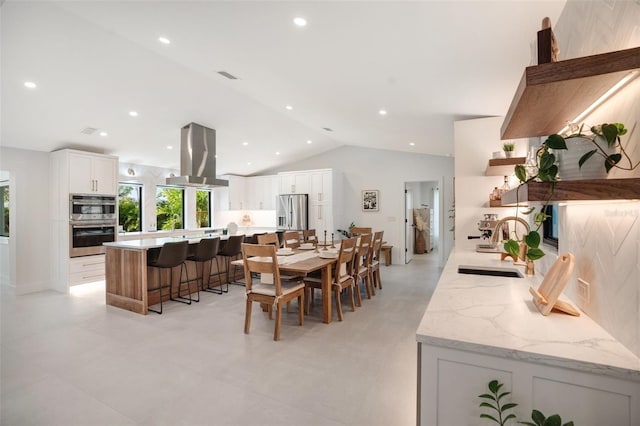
86, 269
321, 186
262, 192
237, 193
92, 173
295, 182
452, 379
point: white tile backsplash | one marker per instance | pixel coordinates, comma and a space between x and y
605, 237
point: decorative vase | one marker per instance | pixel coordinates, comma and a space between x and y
508, 154
530, 268
593, 168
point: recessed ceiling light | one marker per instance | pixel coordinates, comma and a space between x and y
245, 143
133, 113
30, 84
215, 156
382, 112
164, 40
289, 107
412, 143
248, 163
301, 22
169, 147
309, 142
277, 152
104, 134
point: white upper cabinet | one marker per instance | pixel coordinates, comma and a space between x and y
93, 174
237, 193
262, 192
295, 182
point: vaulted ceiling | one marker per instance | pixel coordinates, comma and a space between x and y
425, 63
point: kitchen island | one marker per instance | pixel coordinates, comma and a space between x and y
128, 278
480, 328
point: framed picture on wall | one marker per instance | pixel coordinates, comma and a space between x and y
370, 200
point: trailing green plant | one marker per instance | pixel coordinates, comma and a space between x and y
500, 409
546, 170
609, 133
539, 419
508, 146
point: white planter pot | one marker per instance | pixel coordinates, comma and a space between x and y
508, 154
593, 168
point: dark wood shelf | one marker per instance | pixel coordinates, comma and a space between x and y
503, 166
574, 190
551, 94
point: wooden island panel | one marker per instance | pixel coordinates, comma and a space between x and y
126, 279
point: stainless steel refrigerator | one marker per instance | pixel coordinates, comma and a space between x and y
293, 212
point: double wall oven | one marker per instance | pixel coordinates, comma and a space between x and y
92, 221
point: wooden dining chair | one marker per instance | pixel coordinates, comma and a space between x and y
309, 236
292, 239
374, 261
262, 259
341, 277
360, 267
271, 238
356, 231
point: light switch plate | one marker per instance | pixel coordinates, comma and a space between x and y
584, 290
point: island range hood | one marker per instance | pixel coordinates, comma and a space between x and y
197, 158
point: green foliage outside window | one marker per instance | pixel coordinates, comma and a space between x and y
4, 190
169, 208
129, 207
203, 211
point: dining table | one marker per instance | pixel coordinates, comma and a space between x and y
303, 262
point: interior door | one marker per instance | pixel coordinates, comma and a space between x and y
408, 225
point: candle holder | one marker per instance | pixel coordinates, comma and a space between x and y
325, 240
332, 245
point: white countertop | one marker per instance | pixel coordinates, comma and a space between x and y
496, 316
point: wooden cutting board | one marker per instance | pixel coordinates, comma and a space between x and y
546, 296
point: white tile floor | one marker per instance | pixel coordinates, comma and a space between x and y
72, 360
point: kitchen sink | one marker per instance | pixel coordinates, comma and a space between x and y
488, 270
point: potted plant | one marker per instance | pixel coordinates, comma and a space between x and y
508, 148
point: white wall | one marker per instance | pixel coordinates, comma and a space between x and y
363, 168
28, 249
475, 141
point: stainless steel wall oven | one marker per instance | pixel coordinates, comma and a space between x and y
92, 221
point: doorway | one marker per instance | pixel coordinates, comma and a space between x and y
422, 218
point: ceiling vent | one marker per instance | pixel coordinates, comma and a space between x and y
88, 130
227, 75
327, 129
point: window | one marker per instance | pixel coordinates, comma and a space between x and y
130, 207
4, 193
203, 208
169, 207
550, 226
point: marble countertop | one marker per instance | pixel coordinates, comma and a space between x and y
496, 316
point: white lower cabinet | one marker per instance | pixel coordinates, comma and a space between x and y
86, 269
450, 380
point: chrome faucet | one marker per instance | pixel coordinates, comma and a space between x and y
498, 229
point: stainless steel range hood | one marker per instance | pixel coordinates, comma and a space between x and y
197, 158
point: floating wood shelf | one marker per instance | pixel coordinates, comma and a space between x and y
574, 190
503, 166
551, 94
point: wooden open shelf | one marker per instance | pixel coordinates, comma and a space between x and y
574, 190
503, 166
551, 94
